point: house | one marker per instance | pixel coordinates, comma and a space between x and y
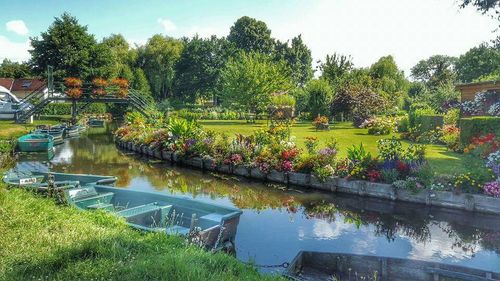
469, 91
23, 86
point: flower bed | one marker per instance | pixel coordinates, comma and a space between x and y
396, 173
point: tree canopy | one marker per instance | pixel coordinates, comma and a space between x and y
478, 62
434, 71
298, 57
249, 79
251, 35
10, 69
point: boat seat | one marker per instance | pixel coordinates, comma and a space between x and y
101, 206
177, 230
213, 217
139, 210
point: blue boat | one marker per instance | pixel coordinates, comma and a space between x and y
211, 225
40, 180
35, 142
57, 132
95, 123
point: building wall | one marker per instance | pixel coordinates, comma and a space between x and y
469, 91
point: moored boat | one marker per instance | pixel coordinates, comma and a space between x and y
35, 142
338, 266
95, 123
212, 225
39, 179
72, 131
56, 132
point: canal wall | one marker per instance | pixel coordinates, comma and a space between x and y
464, 201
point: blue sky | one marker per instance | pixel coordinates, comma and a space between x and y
365, 29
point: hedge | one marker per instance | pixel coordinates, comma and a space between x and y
60, 108
425, 123
477, 126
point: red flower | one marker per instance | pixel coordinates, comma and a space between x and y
374, 175
401, 166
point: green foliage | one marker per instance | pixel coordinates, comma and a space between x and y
479, 61
425, 119
388, 80
284, 100
403, 124
364, 104
478, 126
199, 67
451, 117
320, 96
335, 67
301, 98
249, 79
65, 109
158, 58
251, 35
359, 155
435, 71
389, 149
69, 48
298, 57
10, 69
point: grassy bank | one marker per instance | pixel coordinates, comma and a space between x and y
441, 160
40, 240
9, 129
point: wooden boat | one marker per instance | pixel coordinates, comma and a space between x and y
212, 225
35, 142
72, 131
337, 266
95, 123
56, 132
39, 179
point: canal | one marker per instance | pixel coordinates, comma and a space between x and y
278, 222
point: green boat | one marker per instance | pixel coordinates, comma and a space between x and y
72, 131
95, 123
212, 225
35, 142
39, 179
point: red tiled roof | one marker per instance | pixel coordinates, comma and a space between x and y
6, 82
27, 84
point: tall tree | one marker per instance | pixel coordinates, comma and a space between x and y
68, 47
10, 69
334, 68
435, 71
477, 62
299, 59
123, 57
249, 79
388, 80
251, 35
158, 58
320, 96
199, 67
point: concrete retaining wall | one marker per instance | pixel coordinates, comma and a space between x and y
447, 199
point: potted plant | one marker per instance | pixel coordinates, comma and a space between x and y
74, 87
99, 86
321, 123
122, 85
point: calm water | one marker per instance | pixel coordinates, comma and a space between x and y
278, 222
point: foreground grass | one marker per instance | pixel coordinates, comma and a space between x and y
441, 160
42, 241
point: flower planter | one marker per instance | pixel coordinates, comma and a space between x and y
209, 164
256, 173
241, 171
196, 162
157, 153
457, 201
329, 184
299, 179
276, 176
224, 168
166, 155
408, 196
486, 204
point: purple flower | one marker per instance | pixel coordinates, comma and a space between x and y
327, 152
287, 166
492, 188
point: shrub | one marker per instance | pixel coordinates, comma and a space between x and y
283, 100
451, 137
476, 126
422, 121
380, 125
60, 108
451, 117
311, 144
403, 124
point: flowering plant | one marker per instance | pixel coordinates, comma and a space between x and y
321, 122
494, 109
451, 137
99, 86
492, 188
122, 85
74, 92
311, 144
73, 82
482, 146
493, 162
380, 125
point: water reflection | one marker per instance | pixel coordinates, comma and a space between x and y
278, 222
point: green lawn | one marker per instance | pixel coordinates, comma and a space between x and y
441, 160
9, 129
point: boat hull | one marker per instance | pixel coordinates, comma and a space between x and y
38, 179
35, 142
323, 266
96, 123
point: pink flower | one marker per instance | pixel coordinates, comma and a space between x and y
286, 166
492, 188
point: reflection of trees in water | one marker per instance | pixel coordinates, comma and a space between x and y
100, 156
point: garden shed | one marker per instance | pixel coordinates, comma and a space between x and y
469, 91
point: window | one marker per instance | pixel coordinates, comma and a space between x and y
26, 84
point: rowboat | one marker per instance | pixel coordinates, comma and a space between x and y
95, 123
56, 132
211, 225
72, 131
35, 142
338, 266
40, 179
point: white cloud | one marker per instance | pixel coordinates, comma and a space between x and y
17, 26
13, 50
167, 25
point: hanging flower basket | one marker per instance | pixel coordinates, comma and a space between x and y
74, 93
99, 86
74, 87
122, 85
